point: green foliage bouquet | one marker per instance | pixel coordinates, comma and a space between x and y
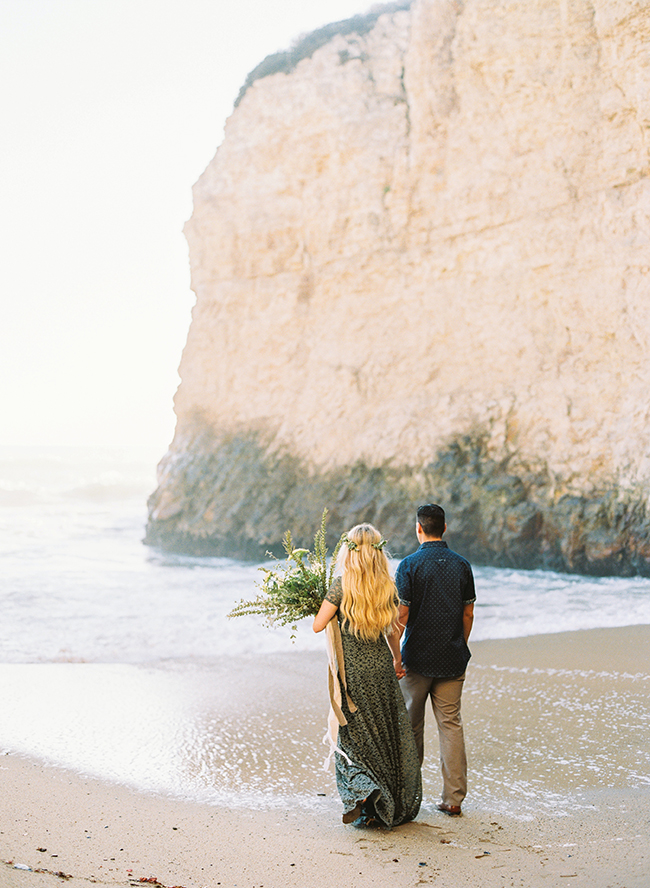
294, 588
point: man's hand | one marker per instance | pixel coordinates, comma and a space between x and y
400, 671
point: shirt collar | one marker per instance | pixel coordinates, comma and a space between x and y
438, 543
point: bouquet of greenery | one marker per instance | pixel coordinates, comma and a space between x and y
295, 588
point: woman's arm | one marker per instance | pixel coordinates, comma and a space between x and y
402, 618
393, 644
325, 614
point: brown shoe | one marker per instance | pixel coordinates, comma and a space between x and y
452, 810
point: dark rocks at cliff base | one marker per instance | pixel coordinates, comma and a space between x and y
231, 496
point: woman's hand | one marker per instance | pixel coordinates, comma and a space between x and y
400, 671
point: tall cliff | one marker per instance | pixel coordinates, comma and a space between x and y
421, 258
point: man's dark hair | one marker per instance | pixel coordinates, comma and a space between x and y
431, 519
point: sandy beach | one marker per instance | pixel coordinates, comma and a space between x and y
558, 735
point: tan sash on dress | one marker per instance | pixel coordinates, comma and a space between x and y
336, 668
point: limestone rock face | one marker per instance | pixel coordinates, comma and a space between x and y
422, 268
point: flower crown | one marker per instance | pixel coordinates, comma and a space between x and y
354, 547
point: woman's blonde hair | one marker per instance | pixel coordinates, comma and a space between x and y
368, 606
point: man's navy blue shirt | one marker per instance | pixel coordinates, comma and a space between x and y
435, 583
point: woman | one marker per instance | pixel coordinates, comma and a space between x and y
377, 767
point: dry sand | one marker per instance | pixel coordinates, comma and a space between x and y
558, 732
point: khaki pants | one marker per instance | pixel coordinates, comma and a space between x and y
445, 696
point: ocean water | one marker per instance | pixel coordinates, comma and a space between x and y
99, 632
78, 585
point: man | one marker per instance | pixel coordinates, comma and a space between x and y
436, 591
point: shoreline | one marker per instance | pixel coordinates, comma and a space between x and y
553, 797
85, 831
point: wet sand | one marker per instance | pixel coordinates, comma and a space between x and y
558, 735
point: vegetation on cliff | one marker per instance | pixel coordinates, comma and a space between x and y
284, 62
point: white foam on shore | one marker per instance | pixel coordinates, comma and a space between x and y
536, 737
159, 730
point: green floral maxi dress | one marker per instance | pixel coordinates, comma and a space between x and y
380, 761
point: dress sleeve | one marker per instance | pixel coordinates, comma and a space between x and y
335, 593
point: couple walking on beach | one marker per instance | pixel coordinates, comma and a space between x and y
378, 691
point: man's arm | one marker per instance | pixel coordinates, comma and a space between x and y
468, 620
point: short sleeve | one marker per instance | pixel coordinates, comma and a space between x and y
469, 592
403, 584
335, 593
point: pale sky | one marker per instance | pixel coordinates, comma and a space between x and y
110, 110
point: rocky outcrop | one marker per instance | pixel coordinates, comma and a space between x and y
422, 267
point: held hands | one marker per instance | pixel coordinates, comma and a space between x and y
400, 672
